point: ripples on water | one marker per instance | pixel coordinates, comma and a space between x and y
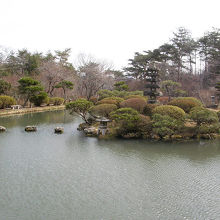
69, 176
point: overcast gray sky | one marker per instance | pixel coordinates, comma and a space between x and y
107, 29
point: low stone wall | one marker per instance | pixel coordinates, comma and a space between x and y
29, 110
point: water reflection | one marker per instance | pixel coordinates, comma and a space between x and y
70, 176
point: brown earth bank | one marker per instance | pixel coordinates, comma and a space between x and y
29, 110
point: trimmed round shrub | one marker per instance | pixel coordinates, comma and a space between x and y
103, 109
172, 111
39, 99
185, 103
164, 125
111, 100
209, 128
6, 101
203, 115
56, 101
135, 103
148, 109
163, 100
137, 96
107, 101
126, 121
125, 114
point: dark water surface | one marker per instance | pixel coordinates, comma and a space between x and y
44, 176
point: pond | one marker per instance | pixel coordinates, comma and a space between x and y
44, 176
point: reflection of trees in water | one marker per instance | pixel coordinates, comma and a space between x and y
192, 150
52, 117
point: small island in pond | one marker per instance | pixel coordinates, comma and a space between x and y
133, 117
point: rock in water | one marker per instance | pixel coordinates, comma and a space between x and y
30, 128
59, 130
91, 131
2, 129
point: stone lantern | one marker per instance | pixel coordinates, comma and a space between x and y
103, 125
213, 100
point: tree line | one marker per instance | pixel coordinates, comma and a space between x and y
187, 67
193, 63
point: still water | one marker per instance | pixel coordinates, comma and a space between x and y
44, 176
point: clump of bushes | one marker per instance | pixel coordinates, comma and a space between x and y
137, 96
135, 103
39, 99
172, 111
6, 101
207, 120
56, 101
105, 93
126, 119
144, 126
202, 115
148, 109
103, 109
111, 100
208, 128
186, 103
165, 125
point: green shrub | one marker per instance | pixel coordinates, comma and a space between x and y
218, 113
103, 109
126, 119
172, 111
6, 101
56, 101
111, 100
137, 96
39, 99
107, 101
185, 103
209, 128
104, 93
121, 86
135, 103
164, 125
202, 115
144, 125
148, 109
125, 114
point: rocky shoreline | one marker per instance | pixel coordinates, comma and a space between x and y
92, 131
